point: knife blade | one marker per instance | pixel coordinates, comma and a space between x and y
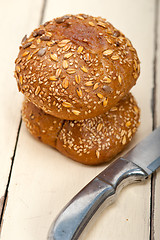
136, 165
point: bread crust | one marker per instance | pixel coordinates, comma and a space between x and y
90, 141
41, 125
76, 67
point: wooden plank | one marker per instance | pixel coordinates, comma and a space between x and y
13, 29
43, 181
157, 179
15, 21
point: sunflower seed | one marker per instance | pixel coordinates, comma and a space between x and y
27, 45
24, 39
46, 38
41, 52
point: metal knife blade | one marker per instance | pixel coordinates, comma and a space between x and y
146, 154
136, 165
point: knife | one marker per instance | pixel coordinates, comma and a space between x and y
136, 165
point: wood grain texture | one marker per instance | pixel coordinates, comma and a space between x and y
13, 27
156, 234
43, 180
15, 22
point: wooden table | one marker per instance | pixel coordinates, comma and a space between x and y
37, 181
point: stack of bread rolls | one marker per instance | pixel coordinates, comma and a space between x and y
76, 72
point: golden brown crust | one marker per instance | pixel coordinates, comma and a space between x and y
43, 126
91, 141
76, 67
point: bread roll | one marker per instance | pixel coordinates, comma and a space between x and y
43, 126
90, 141
76, 67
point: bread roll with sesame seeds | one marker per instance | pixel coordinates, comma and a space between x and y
43, 126
90, 141
76, 67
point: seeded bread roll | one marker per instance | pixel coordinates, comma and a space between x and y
76, 67
91, 141
41, 125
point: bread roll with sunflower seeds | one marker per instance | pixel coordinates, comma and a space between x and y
76, 67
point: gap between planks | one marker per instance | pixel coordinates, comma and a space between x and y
9, 178
3, 200
154, 118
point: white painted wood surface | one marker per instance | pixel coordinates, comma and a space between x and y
42, 180
14, 21
157, 181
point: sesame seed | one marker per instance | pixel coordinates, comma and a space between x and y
136, 109
101, 24
109, 40
135, 75
29, 57
107, 52
115, 57
58, 72
87, 57
96, 85
91, 24
99, 127
18, 69
105, 102
97, 154
71, 70
119, 79
129, 133
30, 40
132, 49
54, 57
67, 47
65, 64
76, 112
65, 83
80, 49
67, 104
38, 41
89, 83
100, 95
68, 55
53, 78
25, 53
84, 69
33, 46
79, 17
128, 124
124, 140
79, 92
107, 80
63, 42
50, 44
21, 79
40, 53
38, 89
113, 109
77, 79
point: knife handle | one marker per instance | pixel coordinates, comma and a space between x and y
78, 212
